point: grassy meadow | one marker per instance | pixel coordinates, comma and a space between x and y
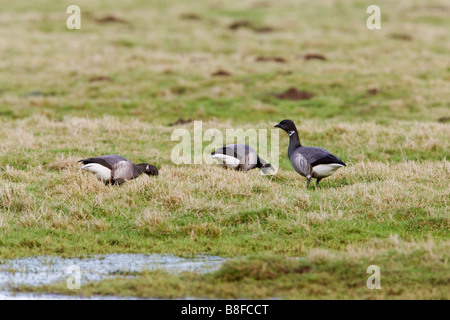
378, 99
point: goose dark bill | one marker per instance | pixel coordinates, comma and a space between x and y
115, 169
310, 162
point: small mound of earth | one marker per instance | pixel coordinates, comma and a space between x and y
221, 73
249, 25
190, 16
181, 121
294, 94
111, 19
271, 59
100, 78
240, 24
401, 36
263, 29
372, 91
314, 56
444, 119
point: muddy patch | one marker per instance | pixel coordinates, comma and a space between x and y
100, 79
190, 16
181, 121
263, 29
111, 19
401, 36
270, 59
221, 73
444, 119
240, 24
314, 56
372, 91
294, 95
247, 24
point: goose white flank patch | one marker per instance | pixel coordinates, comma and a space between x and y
227, 161
102, 173
115, 169
326, 170
310, 162
240, 157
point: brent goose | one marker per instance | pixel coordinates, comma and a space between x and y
116, 169
240, 157
310, 162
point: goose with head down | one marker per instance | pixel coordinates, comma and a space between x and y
240, 157
115, 169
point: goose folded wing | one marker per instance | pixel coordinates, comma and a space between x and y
231, 150
107, 161
316, 156
237, 151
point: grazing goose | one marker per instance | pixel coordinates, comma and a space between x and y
310, 162
116, 169
240, 157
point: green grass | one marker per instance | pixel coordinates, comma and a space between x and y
407, 271
50, 207
380, 101
161, 64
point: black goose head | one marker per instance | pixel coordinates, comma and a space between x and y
288, 126
267, 168
150, 170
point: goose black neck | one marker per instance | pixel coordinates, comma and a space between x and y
294, 143
260, 163
139, 169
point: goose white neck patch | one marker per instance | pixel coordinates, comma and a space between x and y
290, 133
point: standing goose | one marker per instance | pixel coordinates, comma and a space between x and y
116, 169
310, 162
240, 157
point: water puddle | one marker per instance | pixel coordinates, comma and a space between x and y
44, 270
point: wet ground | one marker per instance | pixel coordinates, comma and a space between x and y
43, 270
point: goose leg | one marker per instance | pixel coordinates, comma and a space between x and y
308, 180
317, 182
118, 182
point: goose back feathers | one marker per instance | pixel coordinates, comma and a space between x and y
116, 169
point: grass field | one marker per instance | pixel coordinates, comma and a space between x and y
381, 103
